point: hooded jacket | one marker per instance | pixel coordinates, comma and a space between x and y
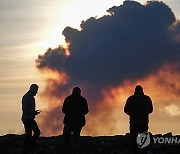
75, 108
138, 107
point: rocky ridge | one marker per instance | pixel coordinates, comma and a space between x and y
118, 144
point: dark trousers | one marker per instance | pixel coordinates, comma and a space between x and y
134, 131
29, 140
68, 129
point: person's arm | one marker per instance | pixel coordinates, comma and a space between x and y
86, 110
150, 109
127, 107
64, 107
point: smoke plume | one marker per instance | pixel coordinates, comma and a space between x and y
107, 57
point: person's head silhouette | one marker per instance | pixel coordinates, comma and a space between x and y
33, 89
138, 90
76, 90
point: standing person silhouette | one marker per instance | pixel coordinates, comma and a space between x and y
28, 116
75, 108
138, 107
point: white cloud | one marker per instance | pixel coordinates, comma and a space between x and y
172, 109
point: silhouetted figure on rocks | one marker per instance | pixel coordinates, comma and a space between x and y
28, 116
75, 108
138, 107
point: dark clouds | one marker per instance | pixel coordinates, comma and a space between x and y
131, 42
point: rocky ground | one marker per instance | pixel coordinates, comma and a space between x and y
120, 144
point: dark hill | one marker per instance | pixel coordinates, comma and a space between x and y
119, 144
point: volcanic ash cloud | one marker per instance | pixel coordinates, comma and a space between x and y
131, 43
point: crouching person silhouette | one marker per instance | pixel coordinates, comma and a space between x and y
28, 116
75, 108
138, 107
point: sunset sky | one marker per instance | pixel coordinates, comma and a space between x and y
29, 27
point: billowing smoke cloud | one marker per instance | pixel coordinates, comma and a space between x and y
131, 43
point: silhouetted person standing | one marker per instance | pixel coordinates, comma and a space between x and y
75, 108
28, 116
138, 107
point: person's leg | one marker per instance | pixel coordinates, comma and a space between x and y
36, 134
134, 143
76, 136
134, 134
65, 138
143, 129
28, 135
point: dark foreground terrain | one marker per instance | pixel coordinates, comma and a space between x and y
119, 144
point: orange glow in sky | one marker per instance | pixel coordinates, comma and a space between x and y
29, 28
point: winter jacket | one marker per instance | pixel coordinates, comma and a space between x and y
75, 108
138, 107
28, 107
